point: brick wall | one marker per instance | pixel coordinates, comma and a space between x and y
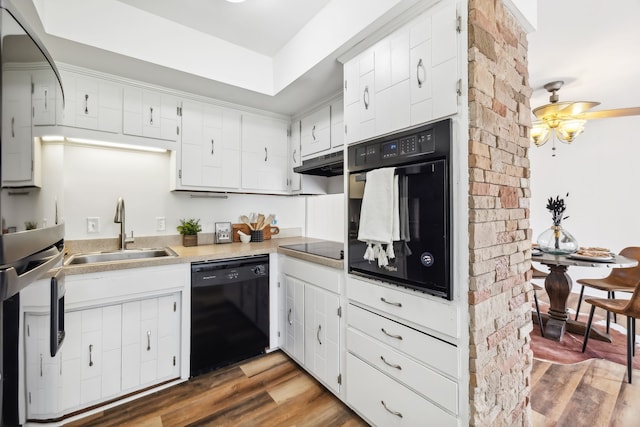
499, 235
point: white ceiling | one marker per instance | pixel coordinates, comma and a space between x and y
592, 47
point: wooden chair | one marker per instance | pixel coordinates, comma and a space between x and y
619, 280
629, 308
537, 274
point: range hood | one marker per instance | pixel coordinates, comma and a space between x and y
326, 165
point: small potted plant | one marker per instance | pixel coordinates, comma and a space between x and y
189, 229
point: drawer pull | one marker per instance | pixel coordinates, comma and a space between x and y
148, 340
90, 354
289, 317
318, 334
393, 365
396, 413
397, 304
398, 337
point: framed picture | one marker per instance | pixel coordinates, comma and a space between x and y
222, 233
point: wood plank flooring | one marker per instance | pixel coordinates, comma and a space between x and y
267, 391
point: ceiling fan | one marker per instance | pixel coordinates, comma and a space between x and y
568, 118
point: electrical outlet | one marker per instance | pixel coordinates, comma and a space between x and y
161, 223
93, 224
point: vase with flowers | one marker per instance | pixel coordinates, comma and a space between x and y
556, 240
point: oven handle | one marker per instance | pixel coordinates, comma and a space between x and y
403, 170
56, 323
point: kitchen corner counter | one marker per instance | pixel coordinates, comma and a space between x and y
209, 252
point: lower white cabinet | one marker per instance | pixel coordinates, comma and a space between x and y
108, 351
313, 318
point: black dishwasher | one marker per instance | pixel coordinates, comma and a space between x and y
229, 311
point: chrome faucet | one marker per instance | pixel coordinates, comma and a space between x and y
119, 219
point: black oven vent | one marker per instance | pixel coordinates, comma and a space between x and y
326, 165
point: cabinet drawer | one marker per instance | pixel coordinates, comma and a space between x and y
386, 402
324, 277
435, 387
439, 316
425, 348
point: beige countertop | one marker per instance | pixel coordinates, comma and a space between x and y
209, 252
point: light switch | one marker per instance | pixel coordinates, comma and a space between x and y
161, 223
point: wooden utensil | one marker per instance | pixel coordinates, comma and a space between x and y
259, 222
245, 219
267, 222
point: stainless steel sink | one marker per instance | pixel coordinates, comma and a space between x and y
128, 254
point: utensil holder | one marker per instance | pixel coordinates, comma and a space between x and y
257, 235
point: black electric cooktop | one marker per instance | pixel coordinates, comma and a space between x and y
334, 250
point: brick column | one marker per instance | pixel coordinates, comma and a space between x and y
499, 235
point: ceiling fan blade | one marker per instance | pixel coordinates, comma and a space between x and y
603, 114
564, 109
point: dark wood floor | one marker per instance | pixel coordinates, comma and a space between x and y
267, 391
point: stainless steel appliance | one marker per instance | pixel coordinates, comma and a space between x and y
420, 157
26, 254
229, 311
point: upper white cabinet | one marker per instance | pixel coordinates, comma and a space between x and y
90, 103
295, 158
315, 133
150, 114
43, 97
264, 153
407, 78
210, 147
19, 152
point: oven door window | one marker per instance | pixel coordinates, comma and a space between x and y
422, 261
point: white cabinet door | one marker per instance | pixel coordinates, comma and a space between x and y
169, 321
150, 114
43, 98
17, 144
264, 153
295, 157
322, 335
91, 103
71, 356
210, 146
294, 317
315, 135
43, 379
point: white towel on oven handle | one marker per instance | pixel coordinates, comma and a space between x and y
379, 215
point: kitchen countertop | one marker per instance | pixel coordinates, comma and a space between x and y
210, 252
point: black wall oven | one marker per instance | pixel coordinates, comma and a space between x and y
420, 160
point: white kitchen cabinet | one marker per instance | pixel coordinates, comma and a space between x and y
210, 147
315, 135
313, 319
264, 154
150, 114
295, 157
407, 78
20, 153
404, 344
294, 313
43, 98
151, 341
337, 124
90, 103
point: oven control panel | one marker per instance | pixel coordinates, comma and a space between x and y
404, 147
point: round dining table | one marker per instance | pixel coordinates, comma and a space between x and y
558, 285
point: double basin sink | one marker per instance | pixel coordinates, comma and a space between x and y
123, 255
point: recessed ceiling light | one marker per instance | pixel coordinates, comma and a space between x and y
235, 1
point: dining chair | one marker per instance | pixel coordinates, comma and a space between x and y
537, 274
625, 307
619, 280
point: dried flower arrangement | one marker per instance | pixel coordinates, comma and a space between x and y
557, 207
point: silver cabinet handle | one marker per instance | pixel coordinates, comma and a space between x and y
295, 151
365, 97
396, 304
289, 317
148, 340
45, 100
151, 115
318, 334
313, 132
212, 146
393, 365
86, 103
396, 413
90, 354
41, 362
13, 127
398, 337
266, 154
420, 73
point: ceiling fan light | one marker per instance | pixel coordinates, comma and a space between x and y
569, 130
539, 133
